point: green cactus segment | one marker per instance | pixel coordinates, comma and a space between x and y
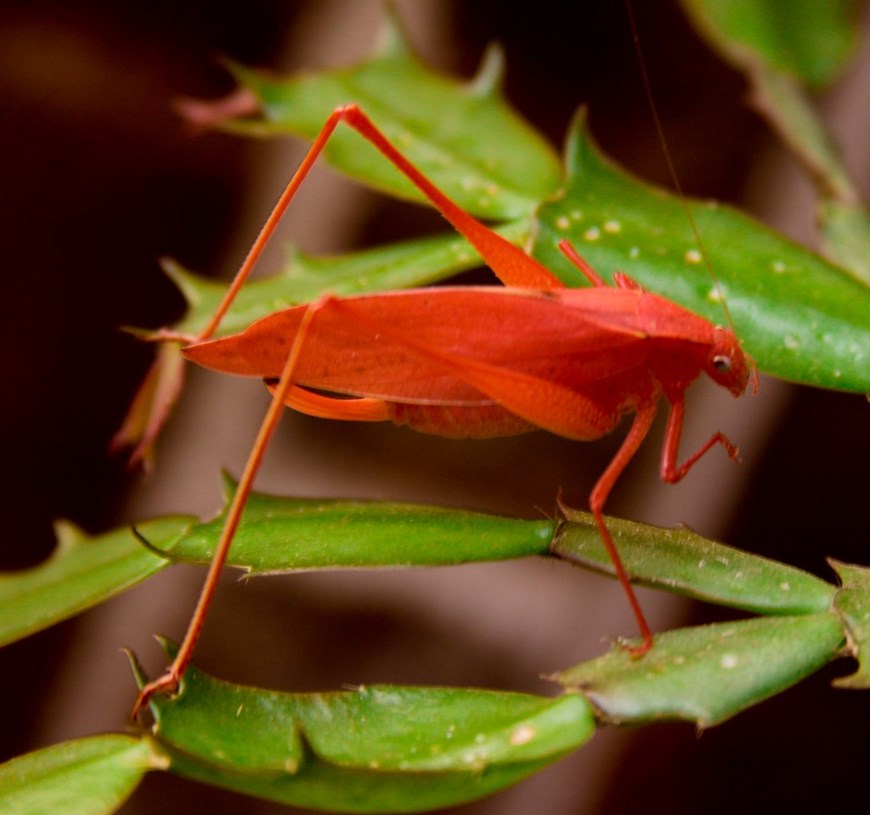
293, 534
682, 562
90, 776
374, 749
853, 605
82, 572
707, 674
809, 39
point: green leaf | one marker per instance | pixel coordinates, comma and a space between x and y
784, 103
375, 749
809, 39
853, 605
682, 562
320, 785
846, 234
400, 265
709, 673
780, 49
83, 572
799, 317
383, 728
461, 136
91, 776
288, 534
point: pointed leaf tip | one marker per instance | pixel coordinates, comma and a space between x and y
69, 536
392, 42
489, 79
184, 280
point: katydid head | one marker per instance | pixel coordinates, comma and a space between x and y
726, 363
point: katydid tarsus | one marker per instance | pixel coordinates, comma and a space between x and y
471, 362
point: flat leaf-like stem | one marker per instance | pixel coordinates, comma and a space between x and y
846, 235
853, 605
709, 673
683, 562
295, 534
374, 749
322, 786
808, 39
83, 572
90, 776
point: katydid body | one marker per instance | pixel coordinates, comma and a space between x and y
484, 362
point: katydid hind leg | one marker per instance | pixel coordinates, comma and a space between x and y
168, 682
512, 266
144, 420
271, 223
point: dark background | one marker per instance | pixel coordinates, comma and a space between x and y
100, 179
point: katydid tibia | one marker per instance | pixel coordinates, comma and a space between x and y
472, 362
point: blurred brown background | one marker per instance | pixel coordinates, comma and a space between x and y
100, 179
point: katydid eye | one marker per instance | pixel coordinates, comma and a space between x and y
721, 362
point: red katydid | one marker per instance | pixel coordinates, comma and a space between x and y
471, 362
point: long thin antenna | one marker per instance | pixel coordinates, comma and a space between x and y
672, 170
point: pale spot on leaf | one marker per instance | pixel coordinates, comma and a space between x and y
522, 735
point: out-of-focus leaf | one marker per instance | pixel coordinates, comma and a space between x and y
151, 406
788, 109
709, 673
846, 234
781, 48
462, 136
810, 39
683, 562
91, 776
